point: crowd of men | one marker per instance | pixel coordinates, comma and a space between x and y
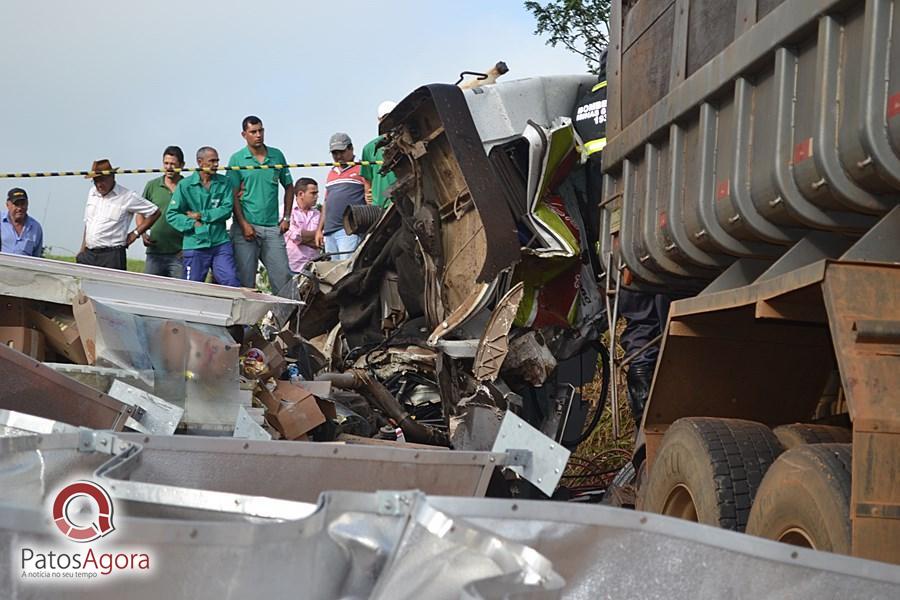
182, 220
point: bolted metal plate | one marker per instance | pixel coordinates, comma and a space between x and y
548, 458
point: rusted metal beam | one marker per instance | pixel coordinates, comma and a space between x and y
863, 302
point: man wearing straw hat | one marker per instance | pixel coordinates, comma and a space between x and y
107, 217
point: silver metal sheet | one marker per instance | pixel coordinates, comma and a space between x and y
245, 427
502, 111
22, 422
157, 417
458, 348
548, 458
113, 338
406, 545
135, 293
99, 378
296, 471
194, 366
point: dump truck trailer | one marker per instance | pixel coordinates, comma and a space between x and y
753, 170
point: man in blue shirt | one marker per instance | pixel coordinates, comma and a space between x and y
19, 233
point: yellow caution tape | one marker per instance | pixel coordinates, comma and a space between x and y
363, 163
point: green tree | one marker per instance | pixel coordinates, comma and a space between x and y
578, 25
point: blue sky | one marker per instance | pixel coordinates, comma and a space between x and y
122, 80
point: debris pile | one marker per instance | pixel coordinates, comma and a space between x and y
475, 292
472, 296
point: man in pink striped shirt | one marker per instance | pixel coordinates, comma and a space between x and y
300, 238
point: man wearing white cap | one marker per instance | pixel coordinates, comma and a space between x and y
372, 173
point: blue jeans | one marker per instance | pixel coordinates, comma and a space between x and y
268, 247
220, 259
340, 245
166, 265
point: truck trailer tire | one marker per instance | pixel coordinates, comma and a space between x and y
798, 434
805, 499
708, 470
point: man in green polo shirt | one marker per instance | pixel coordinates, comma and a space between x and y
258, 228
163, 243
379, 183
200, 206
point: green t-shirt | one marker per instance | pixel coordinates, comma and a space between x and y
166, 239
214, 205
259, 199
380, 183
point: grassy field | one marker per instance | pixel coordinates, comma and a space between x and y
134, 265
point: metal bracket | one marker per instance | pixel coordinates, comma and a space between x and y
247, 428
393, 503
520, 458
544, 461
152, 414
103, 442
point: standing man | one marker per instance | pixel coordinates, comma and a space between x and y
258, 228
301, 237
162, 241
19, 233
378, 183
345, 186
200, 206
107, 216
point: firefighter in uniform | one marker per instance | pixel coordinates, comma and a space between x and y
645, 313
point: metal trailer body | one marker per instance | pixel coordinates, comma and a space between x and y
203, 543
756, 166
136, 293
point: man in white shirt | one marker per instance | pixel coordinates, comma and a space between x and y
107, 216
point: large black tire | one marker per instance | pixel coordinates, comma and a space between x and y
805, 499
708, 470
799, 434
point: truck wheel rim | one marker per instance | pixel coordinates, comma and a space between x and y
680, 503
796, 536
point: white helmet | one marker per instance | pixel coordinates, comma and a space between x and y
385, 108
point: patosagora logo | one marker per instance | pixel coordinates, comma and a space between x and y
83, 513
81, 532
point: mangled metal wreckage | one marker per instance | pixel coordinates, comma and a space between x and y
476, 291
207, 534
472, 297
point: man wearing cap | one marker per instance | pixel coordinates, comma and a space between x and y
345, 186
258, 228
20, 233
200, 206
162, 241
107, 217
372, 152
